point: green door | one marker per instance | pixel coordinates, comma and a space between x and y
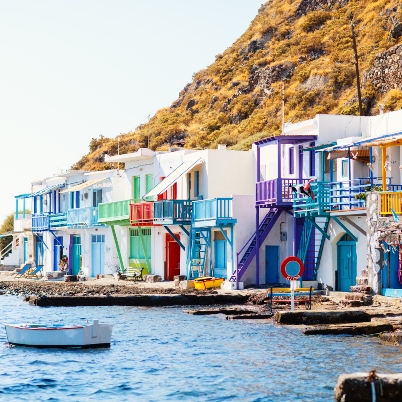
76, 255
149, 182
136, 188
140, 248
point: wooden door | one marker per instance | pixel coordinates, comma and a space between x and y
172, 257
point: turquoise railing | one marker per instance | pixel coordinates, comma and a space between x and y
213, 209
82, 217
58, 220
173, 211
40, 222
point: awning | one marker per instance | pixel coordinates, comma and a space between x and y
41, 192
362, 155
321, 147
367, 141
172, 178
83, 185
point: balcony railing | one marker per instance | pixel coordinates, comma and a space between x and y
117, 212
335, 196
213, 212
173, 212
277, 191
40, 222
58, 220
391, 200
141, 214
82, 217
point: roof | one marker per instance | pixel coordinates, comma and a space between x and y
172, 178
286, 139
142, 153
83, 185
43, 191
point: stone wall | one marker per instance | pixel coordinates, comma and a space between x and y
386, 72
375, 232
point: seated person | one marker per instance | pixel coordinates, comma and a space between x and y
63, 264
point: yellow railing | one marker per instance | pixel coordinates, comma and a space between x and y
391, 199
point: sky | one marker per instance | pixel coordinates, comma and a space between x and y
72, 70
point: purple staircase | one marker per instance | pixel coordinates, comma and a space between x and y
265, 227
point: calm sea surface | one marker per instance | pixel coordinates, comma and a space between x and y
161, 354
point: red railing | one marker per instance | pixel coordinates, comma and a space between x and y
141, 214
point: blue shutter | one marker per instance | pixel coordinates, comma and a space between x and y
291, 161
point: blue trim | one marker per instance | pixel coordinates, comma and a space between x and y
41, 192
184, 230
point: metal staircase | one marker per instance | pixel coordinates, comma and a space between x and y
311, 246
265, 227
199, 244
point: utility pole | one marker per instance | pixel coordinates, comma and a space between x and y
359, 94
283, 107
149, 116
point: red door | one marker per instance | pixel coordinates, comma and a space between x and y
172, 257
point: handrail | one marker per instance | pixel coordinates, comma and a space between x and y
5, 251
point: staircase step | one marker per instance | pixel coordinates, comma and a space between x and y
361, 289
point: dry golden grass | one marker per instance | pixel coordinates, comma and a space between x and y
318, 44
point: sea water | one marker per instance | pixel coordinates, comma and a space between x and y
162, 354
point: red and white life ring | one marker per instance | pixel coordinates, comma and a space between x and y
285, 262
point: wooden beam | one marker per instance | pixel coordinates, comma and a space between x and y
355, 225
174, 237
384, 172
344, 228
123, 269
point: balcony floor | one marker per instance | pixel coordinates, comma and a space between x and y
214, 223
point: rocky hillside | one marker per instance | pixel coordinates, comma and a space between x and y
304, 46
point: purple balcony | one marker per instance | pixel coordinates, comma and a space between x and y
277, 191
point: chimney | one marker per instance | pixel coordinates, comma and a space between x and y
221, 147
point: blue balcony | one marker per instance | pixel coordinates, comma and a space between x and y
47, 221
173, 212
276, 192
58, 220
336, 197
40, 222
82, 217
213, 212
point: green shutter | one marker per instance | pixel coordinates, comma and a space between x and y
136, 188
149, 182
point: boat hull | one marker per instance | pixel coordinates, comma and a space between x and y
58, 336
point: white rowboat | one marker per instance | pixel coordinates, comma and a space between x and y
93, 335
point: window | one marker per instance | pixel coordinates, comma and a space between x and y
312, 163
74, 199
188, 186
149, 182
345, 168
96, 197
291, 161
196, 183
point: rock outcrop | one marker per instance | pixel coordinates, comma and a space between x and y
386, 72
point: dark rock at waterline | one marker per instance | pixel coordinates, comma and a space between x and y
392, 338
357, 387
138, 300
321, 317
349, 329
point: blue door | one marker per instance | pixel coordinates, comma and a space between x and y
391, 270
39, 251
25, 249
347, 269
271, 264
98, 254
220, 269
57, 252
